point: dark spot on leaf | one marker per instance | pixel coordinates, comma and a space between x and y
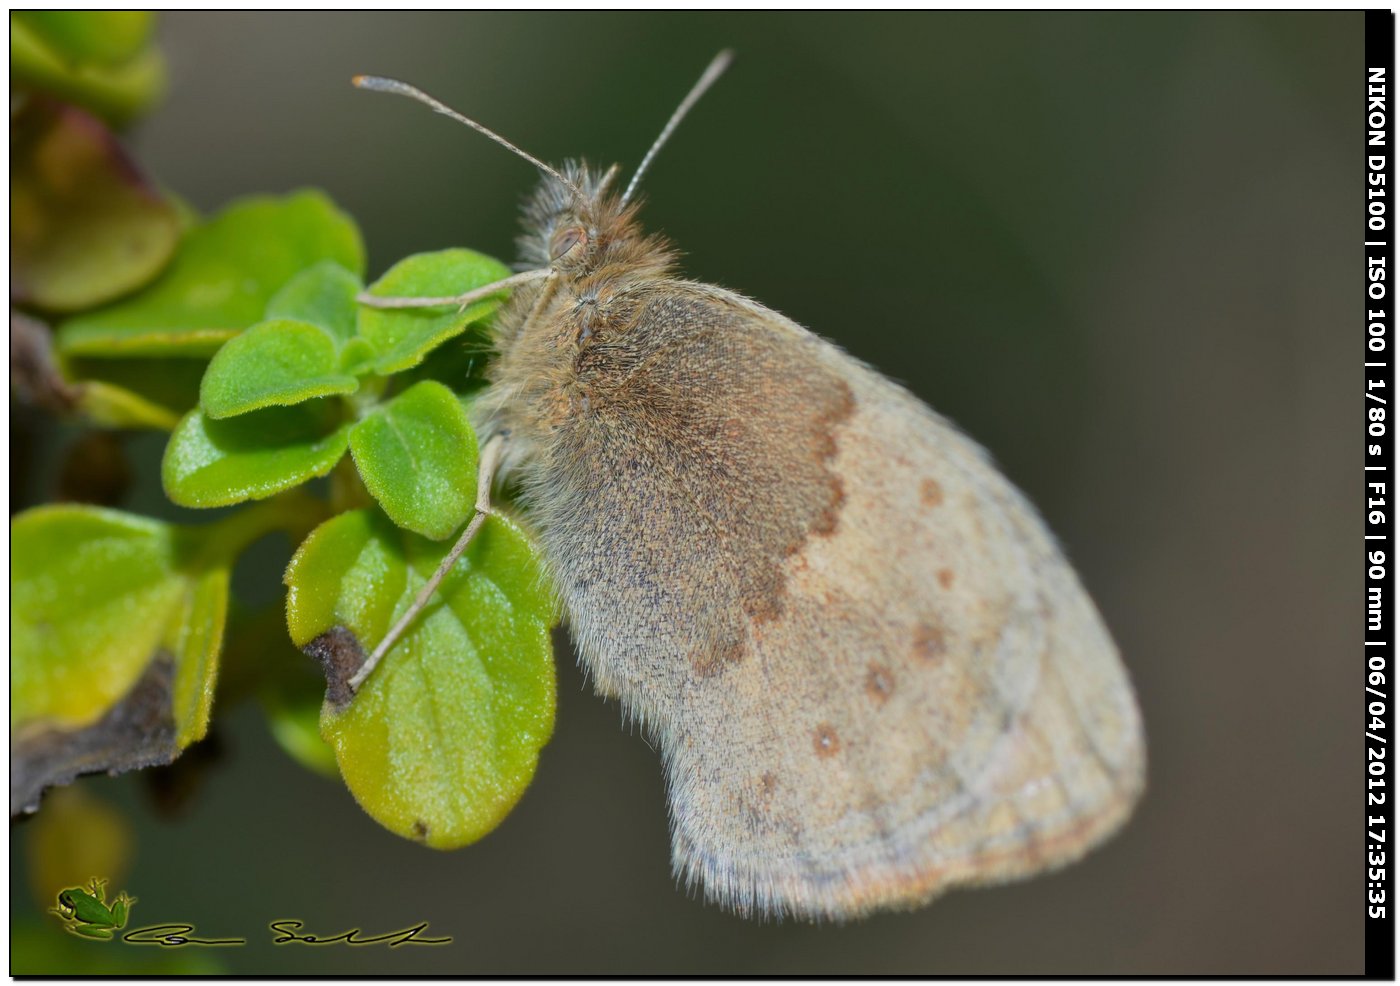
138, 731
945, 577
825, 741
929, 642
879, 683
930, 493
420, 829
340, 655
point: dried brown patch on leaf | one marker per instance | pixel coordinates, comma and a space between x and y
340, 655
136, 732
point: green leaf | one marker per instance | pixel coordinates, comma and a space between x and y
115, 92
443, 738
102, 37
221, 280
323, 295
212, 463
195, 637
276, 362
417, 457
85, 225
402, 337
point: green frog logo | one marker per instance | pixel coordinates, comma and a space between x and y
87, 913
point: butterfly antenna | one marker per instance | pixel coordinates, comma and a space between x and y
376, 83
715, 70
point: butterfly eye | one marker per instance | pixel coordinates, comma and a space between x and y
566, 241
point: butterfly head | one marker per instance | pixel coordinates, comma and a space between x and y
582, 229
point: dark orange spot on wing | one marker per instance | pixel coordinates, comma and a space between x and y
825, 741
930, 493
723, 655
825, 523
929, 642
879, 683
945, 577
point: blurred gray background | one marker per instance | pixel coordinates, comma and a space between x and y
1121, 250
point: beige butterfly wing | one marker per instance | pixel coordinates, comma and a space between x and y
872, 672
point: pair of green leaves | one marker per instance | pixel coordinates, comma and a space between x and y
283, 401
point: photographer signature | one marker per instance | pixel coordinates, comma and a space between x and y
87, 912
285, 932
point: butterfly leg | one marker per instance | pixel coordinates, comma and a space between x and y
460, 300
490, 458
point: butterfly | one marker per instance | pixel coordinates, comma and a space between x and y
871, 673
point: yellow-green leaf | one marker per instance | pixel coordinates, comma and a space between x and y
444, 736
106, 566
116, 623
